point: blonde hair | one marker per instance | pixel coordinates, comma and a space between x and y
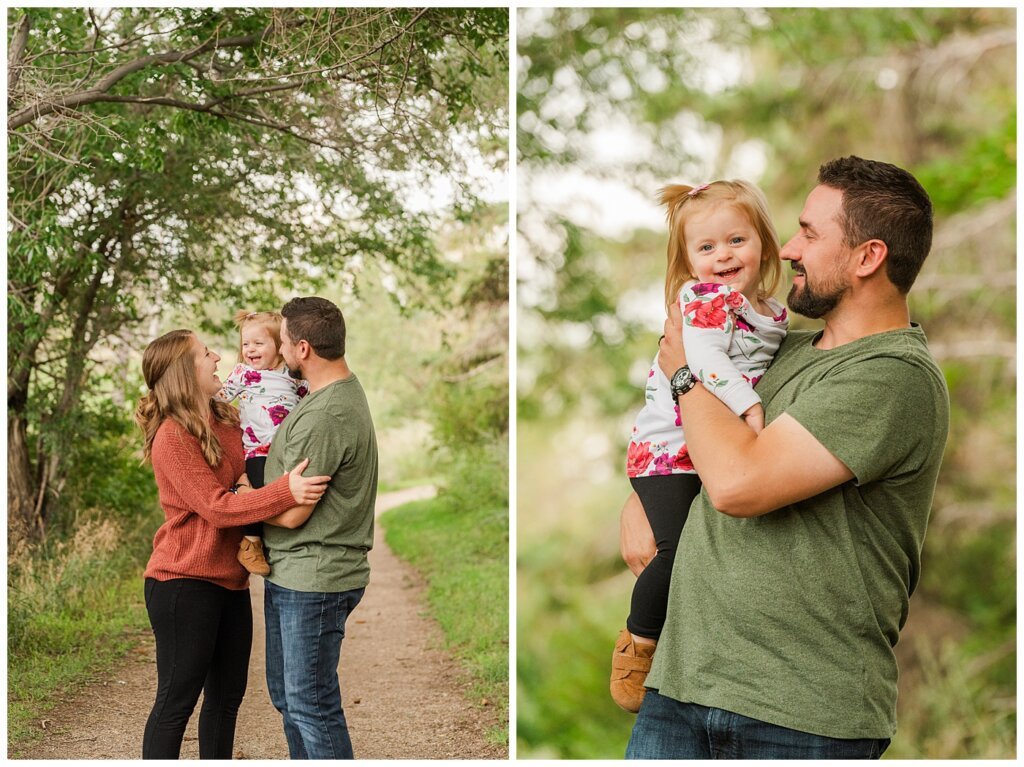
271, 321
683, 201
169, 367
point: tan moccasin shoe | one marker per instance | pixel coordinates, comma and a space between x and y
250, 554
631, 663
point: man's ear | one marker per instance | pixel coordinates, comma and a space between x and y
871, 256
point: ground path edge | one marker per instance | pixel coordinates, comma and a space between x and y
404, 696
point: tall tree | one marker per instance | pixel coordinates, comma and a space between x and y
151, 149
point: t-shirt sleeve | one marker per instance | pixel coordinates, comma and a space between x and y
877, 416
708, 327
318, 438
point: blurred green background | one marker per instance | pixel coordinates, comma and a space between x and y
614, 103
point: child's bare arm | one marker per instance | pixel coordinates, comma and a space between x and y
636, 539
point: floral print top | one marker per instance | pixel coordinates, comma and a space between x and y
729, 346
264, 397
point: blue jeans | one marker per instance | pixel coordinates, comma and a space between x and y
304, 633
668, 729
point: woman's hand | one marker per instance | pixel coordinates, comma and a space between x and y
636, 539
306, 490
671, 355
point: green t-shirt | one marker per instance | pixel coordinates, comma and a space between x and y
332, 427
791, 617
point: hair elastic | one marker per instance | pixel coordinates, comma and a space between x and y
697, 190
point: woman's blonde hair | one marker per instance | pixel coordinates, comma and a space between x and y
269, 320
169, 367
682, 202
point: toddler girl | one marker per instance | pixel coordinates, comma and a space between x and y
266, 393
723, 267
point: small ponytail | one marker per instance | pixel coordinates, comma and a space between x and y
241, 316
679, 269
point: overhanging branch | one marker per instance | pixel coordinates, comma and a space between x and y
99, 91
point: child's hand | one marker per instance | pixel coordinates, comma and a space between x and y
754, 416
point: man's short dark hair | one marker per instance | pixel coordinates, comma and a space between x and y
319, 323
883, 202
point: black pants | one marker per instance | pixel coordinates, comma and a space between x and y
203, 639
666, 500
254, 471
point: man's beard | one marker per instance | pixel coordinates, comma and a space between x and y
815, 303
294, 372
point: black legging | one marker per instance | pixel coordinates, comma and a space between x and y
203, 639
254, 471
666, 500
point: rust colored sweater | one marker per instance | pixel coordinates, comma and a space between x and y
202, 531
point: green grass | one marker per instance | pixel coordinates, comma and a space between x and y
75, 608
403, 484
462, 551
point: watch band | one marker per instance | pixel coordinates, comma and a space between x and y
682, 381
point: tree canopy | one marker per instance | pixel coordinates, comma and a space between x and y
154, 151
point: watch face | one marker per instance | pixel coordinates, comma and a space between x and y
683, 380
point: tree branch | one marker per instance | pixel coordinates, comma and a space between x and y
99, 91
14, 60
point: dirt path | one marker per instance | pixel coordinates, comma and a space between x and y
404, 698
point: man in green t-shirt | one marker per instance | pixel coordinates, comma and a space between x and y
795, 568
318, 570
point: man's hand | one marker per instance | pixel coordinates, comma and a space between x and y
636, 539
754, 416
671, 354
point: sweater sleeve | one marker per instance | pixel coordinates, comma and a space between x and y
708, 325
181, 463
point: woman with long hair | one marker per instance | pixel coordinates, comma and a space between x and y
197, 593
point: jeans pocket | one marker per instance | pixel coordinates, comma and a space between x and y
346, 603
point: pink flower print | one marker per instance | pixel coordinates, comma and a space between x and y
251, 435
650, 373
734, 299
302, 391
707, 314
261, 450
252, 377
679, 418
755, 379
663, 464
682, 459
703, 288
277, 414
781, 317
742, 324
638, 458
